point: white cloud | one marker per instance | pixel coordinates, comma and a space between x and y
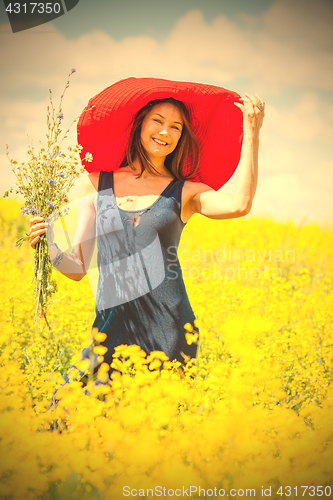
309, 119
301, 23
320, 177
289, 46
297, 139
288, 196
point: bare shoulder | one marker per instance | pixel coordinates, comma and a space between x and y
190, 198
88, 193
194, 188
90, 183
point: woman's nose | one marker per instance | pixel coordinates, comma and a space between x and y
164, 132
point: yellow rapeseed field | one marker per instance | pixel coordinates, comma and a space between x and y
252, 416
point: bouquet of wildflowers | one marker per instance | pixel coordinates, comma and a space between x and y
44, 181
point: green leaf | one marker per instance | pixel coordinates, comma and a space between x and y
21, 240
7, 193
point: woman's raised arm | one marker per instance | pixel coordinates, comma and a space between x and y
217, 205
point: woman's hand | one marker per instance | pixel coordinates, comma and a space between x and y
38, 227
252, 116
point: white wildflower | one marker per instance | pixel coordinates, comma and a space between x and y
88, 157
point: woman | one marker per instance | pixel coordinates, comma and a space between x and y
137, 211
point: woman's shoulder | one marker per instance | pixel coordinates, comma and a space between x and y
192, 188
89, 183
191, 198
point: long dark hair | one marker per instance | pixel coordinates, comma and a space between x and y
187, 147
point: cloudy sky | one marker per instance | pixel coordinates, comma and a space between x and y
280, 49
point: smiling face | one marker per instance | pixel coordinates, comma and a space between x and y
162, 140
161, 130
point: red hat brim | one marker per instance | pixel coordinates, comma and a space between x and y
104, 130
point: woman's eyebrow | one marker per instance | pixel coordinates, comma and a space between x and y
163, 117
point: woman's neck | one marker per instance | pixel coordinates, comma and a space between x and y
160, 168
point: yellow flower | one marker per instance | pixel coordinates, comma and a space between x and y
191, 338
157, 355
117, 365
154, 365
256, 399
99, 336
104, 368
100, 349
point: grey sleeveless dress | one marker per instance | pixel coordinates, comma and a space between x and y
141, 296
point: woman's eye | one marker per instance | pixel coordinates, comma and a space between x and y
156, 120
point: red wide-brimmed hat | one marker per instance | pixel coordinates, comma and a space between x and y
104, 129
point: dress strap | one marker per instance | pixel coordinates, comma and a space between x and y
175, 191
179, 200
104, 181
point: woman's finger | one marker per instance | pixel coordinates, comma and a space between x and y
258, 97
250, 103
38, 228
260, 105
34, 220
37, 223
35, 234
34, 241
251, 97
245, 99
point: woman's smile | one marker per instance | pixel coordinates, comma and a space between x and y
163, 127
161, 143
